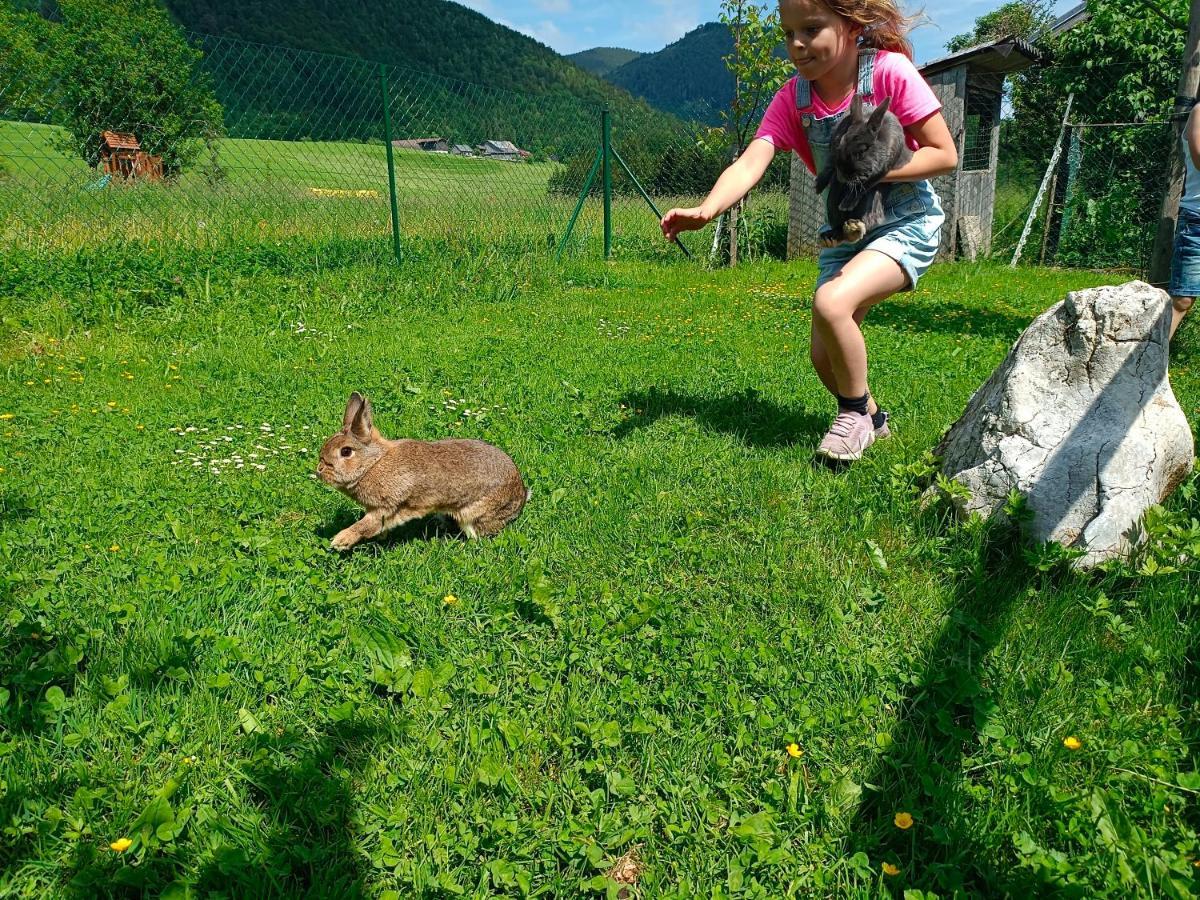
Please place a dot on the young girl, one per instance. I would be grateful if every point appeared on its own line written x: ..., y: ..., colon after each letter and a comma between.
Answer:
x: 840, y: 47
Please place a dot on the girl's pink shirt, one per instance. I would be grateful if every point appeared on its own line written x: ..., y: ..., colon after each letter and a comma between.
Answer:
x: 894, y: 76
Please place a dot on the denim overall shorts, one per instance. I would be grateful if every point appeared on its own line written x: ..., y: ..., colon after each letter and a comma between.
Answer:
x: 911, y: 230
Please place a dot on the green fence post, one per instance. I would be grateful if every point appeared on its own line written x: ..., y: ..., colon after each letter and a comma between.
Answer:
x: 606, y: 151
x: 387, y: 143
x: 587, y: 186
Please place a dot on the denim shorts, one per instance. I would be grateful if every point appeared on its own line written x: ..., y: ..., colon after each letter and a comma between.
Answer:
x: 912, y: 242
x: 1185, y: 261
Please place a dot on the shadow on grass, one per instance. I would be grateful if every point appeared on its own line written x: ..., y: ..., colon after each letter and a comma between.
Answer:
x: 940, y: 317
x: 746, y: 416
x: 940, y: 722
x: 303, y: 847
x: 430, y: 528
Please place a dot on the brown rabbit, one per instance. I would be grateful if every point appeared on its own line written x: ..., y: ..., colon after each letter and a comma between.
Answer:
x: 474, y: 483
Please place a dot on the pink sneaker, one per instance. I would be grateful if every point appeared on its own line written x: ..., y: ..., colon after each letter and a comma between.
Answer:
x: 850, y: 434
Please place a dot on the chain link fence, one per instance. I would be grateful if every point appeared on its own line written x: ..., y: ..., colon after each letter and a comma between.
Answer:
x: 259, y: 143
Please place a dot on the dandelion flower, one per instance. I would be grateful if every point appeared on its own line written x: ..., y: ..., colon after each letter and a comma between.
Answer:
x: 889, y: 869
x: 903, y: 820
x: 114, y: 548
x: 794, y: 751
x: 1072, y: 743
x: 7, y: 415
x: 121, y: 845
x: 449, y: 599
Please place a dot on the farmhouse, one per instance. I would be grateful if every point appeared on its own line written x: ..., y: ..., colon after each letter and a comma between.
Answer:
x: 428, y: 144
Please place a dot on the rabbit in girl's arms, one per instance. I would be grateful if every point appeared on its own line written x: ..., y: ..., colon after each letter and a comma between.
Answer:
x: 474, y: 483
x: 866, y: 145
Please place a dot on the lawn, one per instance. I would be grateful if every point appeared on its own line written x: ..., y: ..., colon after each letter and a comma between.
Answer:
x: 611, y: 685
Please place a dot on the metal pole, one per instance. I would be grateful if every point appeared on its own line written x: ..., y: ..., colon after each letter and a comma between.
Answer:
x: 1159, y: 270
x: 606, y: 151
x: 391, y: 163
x: 1050, y: 169
x: 587, y: 186
x: 637, y: 184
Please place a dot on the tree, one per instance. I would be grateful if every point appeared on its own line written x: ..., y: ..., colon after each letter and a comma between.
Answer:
x: 123, y: 67
x: 1019, y: 18
x: 758, y: 72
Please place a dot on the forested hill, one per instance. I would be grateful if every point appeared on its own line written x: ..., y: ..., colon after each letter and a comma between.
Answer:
x: 688, y: 78
x: 602, y: 60
x: 433, y: 36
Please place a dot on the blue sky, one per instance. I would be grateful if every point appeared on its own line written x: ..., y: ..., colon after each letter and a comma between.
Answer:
x: 571, y: 25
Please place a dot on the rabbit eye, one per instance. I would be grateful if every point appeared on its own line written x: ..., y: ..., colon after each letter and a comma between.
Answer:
x: 346, y: 451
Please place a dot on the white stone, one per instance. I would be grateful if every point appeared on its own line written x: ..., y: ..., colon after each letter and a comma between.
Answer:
x: 1081, y: 419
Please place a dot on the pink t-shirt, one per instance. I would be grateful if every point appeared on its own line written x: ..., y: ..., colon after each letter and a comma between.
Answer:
x: 894, y: 76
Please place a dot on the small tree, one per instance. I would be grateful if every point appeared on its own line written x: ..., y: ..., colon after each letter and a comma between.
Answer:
x: 1020, y: 18
x: 125, y: 67
x: 758, y: 72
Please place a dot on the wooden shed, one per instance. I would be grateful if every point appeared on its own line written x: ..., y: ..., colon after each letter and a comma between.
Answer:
x: 970, y: 84
x: 123, y: 157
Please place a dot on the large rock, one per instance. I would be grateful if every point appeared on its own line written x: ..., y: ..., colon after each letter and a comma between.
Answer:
x: 1080, y: 418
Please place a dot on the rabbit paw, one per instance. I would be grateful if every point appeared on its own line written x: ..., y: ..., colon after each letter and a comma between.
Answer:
x: 854, y: 229
x: 344, y: 539
x: 828, y: 240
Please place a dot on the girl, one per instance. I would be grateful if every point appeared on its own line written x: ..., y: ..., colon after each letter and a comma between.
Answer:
x: 840, y: 47
x: 1185, y: 261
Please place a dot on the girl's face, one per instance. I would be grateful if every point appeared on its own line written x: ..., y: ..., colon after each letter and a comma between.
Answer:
x: 816, y: 37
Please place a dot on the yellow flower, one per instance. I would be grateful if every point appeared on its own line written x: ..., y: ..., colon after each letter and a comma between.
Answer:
x: 903, y: 820
x: 889, y: 869
x: 449, y: 599
x: 1072, y: 743
x: 114, y: 548
x: 7, y: 415
x: 121, y: 845
x: 794, y: 751
x: 112, y: 404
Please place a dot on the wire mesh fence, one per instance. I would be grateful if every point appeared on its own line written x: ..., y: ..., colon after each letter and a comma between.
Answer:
x: 263, y: 143
x: 236, y: 142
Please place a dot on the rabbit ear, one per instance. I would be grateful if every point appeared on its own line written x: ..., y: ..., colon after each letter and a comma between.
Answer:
x: 877, y: 115
x: 363, y: 423
x: 353, y: 405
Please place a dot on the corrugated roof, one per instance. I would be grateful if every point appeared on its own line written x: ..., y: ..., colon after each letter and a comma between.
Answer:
x: 1002, y: 56
x: 119, y: 140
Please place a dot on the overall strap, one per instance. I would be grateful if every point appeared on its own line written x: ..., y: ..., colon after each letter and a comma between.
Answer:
x: 865, y: 85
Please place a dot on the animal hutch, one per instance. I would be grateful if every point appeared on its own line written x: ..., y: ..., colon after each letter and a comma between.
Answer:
x: 121, y: 156
x: 970, y: 85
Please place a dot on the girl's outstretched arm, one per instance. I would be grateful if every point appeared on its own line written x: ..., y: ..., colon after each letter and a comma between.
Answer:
x: 935, y: 154
x: 731, y: 187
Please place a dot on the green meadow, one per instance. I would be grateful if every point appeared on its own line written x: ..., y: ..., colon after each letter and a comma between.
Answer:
x: 698, y: 664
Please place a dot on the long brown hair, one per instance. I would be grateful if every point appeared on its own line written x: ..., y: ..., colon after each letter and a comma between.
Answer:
x: 883, y: 25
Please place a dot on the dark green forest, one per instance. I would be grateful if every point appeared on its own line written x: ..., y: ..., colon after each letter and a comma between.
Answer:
x: 602, y: 60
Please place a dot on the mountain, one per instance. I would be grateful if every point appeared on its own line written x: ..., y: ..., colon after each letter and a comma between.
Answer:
x: 687, y: 78
x: 457, y: 66
x: 602, y: 60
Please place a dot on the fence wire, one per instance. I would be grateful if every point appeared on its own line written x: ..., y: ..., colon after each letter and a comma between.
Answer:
x: 245, y: 143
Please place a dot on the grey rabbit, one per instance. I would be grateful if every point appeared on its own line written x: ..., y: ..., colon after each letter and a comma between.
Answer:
x: 865, y: 146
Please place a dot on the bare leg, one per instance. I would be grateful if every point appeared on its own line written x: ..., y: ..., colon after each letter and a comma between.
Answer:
x: 869, y: 277
x: 1180, y: 306
x: 364, y: 529
x: 822, y: 364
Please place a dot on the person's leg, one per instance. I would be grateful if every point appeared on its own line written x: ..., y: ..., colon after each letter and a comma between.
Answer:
x: 1180, y: 306
x: 839, y: 306
x: 820, y: 357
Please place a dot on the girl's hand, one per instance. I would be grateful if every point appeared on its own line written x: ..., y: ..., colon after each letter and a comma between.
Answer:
x: 677, y: 220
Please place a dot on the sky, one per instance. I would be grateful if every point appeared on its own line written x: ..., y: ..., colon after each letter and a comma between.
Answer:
x: 568, y: 26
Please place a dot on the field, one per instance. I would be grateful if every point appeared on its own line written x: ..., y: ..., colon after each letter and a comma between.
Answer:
x: 698, y: 662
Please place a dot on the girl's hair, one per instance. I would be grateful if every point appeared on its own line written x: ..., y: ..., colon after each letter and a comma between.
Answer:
x: 883, y: 25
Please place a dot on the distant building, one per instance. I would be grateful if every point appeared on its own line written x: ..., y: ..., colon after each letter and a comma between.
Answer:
x: 429, y: 144
x: 123, y: 157
x: 505, y: 150
x: 462, y: 150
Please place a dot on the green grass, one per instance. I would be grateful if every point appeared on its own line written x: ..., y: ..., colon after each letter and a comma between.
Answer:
x: 184, y: 662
